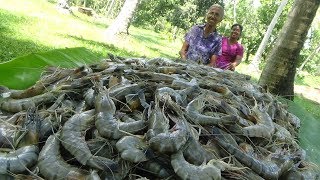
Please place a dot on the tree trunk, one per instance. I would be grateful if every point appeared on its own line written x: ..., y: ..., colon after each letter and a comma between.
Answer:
x: 255, y: 62
x: 84, y: 3
x: 234, y: 11
x: 279, y: 72
x: 123, y: 20
x: 110, y: 7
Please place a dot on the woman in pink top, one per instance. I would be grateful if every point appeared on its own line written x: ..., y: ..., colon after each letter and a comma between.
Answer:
x: 232, y: 50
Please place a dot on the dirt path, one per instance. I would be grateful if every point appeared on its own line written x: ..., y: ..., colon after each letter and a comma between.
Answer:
x: 310, y: 93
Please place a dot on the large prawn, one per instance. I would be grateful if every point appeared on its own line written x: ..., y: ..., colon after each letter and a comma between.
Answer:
x: 157, y: 121
x: 185, y: 170
x: 132, y: 149
x: 52, y: 166
x: 73, y: 139
x: 194, y: 112
x: 264, y: 127
x: 108, y: 126
x: 170, y: 141
x: 17, y: 105
x: 26, y: 142
x: 267, y: 170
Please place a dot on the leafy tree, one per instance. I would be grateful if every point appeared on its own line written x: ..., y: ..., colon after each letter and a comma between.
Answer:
x: 180, y: 13
x: 279, y: 72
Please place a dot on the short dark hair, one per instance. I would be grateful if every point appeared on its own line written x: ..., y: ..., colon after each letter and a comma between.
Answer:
x: 241, y: 28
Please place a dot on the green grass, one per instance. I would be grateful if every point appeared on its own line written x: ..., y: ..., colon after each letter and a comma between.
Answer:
x: 312, y: 81
x: 37, y: 26
x: 310, y: 106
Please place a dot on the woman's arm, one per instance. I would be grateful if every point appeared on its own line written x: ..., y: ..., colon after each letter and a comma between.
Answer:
x: 235, y: 63
x: 213, y: 60
x: 184, y: 50
x: 238, y: 59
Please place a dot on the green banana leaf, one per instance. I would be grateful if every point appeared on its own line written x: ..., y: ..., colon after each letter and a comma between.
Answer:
x: 23, y: 72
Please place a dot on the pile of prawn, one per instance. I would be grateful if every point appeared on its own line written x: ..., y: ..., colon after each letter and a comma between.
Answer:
x: 138, y: 118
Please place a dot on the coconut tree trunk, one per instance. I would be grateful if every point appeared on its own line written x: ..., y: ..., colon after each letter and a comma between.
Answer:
x: 255, y: 62
x: 234, y: 11
x: 279, y: 72
x: 123, y: 20
x: 110, y: 6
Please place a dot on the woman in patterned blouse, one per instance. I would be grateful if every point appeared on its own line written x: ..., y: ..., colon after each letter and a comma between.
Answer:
x: 203, y: 43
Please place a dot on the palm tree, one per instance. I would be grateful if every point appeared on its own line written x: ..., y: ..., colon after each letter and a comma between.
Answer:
x: 255, y: 62
x: 279, y: 72
x: 123, y: 20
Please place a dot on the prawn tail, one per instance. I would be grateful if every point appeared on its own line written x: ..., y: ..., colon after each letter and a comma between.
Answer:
x: 103, y: 163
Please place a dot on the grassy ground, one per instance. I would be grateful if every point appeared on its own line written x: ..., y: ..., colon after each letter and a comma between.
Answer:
x: 28, y: 26
x: 36, y: 25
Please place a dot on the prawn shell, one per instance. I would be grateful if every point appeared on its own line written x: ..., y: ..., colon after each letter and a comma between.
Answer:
x: 17, y: 161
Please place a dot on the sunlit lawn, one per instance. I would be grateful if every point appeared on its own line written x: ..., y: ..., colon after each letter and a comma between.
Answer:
x: 36, y: 25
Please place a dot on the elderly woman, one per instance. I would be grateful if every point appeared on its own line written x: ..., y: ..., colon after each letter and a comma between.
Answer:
x: 203, y: 43
x: 232, y: 50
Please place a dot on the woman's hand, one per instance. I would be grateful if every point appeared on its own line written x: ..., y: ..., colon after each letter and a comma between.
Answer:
x: 184, y: 50
x: 213, y: 60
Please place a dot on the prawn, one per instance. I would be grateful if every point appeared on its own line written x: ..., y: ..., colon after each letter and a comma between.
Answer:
x: 18, y: 160
x: 267, y: 170
x: 264, y: 127
x: 7, y: 133
x: 157, y: 169
x: 17, y: 105
x: 106, y: 123
x: 195, y: 153
x: 155, y: 77
x: 120, y: 91
x: 181, y: 83
x: 52, y: 166
x: 132, y: 149
x: 157, y: 121
x: 196, y: 106
x: 163, y: 92
x: 186, y: 170
x: 73, y: 140
x: 170, y: 141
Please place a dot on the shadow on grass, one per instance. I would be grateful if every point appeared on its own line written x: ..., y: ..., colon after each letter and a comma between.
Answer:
x: 144, y: 38
x: 12, y: 47
x: 163, y: 54
x: 81, y: 18
x: 109, y: 48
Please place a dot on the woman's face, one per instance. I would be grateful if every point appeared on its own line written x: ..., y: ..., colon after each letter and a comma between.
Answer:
x: 214, y: 16
x: 235, y: 32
